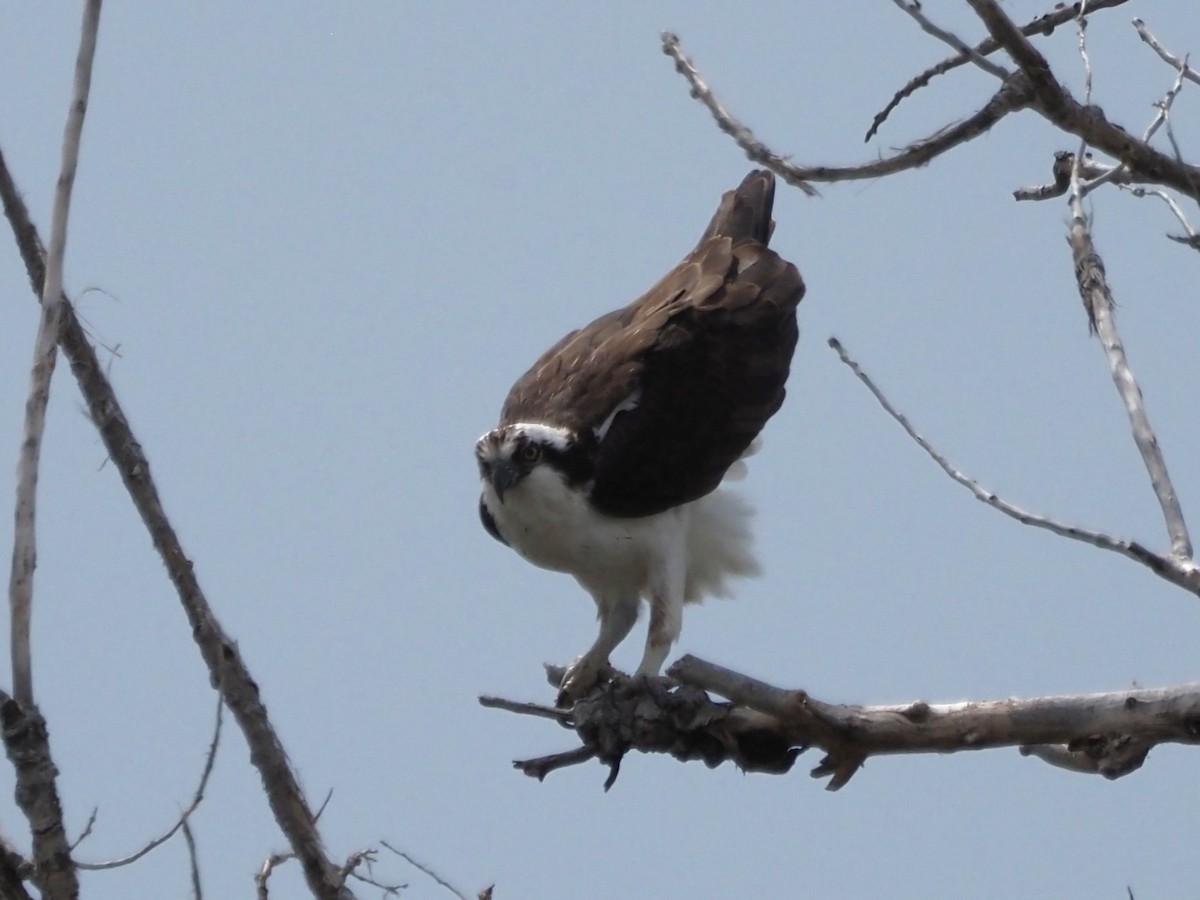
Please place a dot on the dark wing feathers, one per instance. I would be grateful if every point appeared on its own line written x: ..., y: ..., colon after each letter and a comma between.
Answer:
x: 709, y: 348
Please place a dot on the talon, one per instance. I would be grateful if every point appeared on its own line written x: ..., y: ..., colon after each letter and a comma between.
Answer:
x: 581, y: 677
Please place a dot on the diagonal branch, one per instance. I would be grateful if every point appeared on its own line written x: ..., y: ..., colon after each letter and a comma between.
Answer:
x: 1043, y: 25
x: 965, y: 50
x: 1013, y: 95
x: 1054, y: 102
x: 1098, y: 301
x: 227, y: 670
x: 1164, y: 54
x: 1179, y: 572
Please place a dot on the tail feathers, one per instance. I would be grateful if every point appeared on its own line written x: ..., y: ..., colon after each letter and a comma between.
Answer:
x: 745, y: 212
x: 719, y: 545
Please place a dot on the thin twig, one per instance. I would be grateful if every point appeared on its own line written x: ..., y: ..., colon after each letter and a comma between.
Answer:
x: 1013, y: 95
x: 193, y: 863
x: 1041, y: 25
x: 526, y: 709
x: 1164, y: 54
x: 209, y: 760
x: 87, y: 828
x: 428, y: 871
x: 263, y: 875
x: 955, y: 42
x: 1175, y: 571
x: 1192, y: 239
x: 754, y: 148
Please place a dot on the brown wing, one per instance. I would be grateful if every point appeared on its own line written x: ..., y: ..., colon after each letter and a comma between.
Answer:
x: 707, y: 351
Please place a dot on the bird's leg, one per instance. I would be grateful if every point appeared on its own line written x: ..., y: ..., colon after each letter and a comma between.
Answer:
x: 666, y: 621
x: 616, y: 615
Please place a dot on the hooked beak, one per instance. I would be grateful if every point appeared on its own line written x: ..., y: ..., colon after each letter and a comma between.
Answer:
x: 503, y: 475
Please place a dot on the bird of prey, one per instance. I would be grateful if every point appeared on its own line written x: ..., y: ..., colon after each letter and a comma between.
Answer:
x: 608, y: 460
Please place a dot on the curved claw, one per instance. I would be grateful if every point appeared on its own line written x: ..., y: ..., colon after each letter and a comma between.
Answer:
x: 580, y: 678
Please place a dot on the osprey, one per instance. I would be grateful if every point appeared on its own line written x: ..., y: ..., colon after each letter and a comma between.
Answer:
x: 610, y: 452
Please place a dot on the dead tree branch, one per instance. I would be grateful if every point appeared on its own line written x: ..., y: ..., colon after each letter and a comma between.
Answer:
x: 764, y: 728
x: 27, y: 744
x: 24, y: 559
x: 181, y: 823
x: 1087, y: 122
x: 228, y: 671
x: 1178, y: 571
x: 1013, y: 95
x: 1043, y: 25
x: 1098, y: 301
x: 1163, y: 53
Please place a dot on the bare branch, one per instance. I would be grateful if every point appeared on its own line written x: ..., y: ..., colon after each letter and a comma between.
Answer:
x: 209, y: 760
x: 27, y: 745
x: 1012, y: 96
x: 228, y: 671
x: 428, y: 871
x: 1107, y: 733
x: 526, y: 709
x: 1178, y: 572
x: 1060, y: 172
x: 193, y: 863
x: 1164, y: 54
x: 24, y: 559
x: 1043, y: 25
x: 1087, y: 122
x: 755, y: 149
x: 1192, y: 239
x: 1097, y: 300
x: 948, y: 37
x: 1089, y: 723
x: 264, y: 873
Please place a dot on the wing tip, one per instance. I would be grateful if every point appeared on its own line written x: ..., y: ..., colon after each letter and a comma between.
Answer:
x: 745, y: 211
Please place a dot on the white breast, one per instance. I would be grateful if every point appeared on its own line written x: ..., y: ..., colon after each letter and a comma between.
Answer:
x: 554, y: 527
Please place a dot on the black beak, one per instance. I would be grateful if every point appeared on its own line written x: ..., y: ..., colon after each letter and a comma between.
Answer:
x: 503, y: 475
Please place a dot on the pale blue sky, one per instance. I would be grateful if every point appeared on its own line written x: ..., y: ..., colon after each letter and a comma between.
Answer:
x: 325, y: 238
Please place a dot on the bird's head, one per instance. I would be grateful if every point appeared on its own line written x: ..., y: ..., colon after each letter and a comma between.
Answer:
x: 509, y: 454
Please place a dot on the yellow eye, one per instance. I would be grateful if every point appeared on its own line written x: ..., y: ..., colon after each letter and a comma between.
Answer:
x: 531, y: 453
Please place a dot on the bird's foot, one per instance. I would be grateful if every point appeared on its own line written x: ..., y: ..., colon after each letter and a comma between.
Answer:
x: 581, y: 676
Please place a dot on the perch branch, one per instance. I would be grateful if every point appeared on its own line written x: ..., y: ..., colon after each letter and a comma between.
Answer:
x: 1013, y: 95
x: 227, y: 669
x: 1108, y: 733
x: 1175, y: 571
x: 1043, y: 25
x: 1087, y: 122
